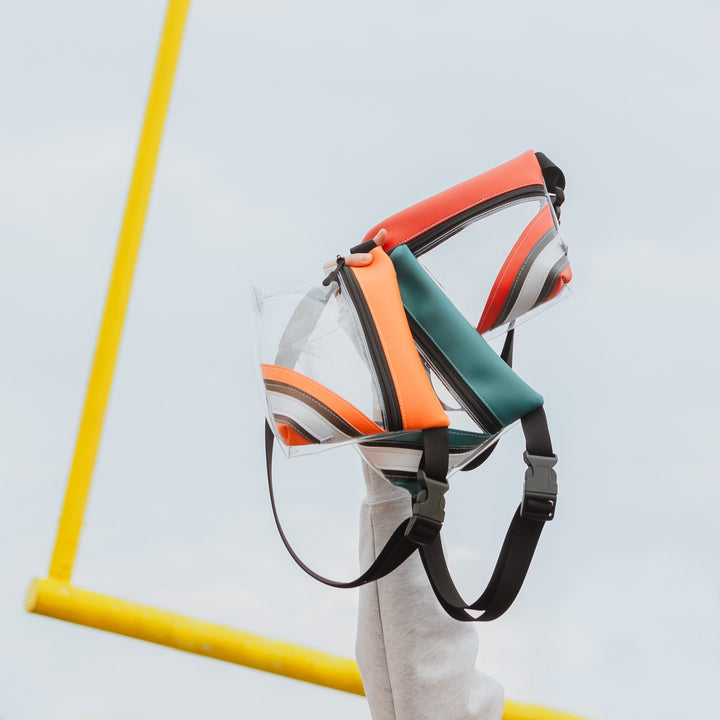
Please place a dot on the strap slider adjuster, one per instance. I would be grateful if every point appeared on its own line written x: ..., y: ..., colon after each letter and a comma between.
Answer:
x: 540, y: 488
x: 428, y: 510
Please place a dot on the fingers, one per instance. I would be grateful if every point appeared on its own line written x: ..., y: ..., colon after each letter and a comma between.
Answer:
x: 361, y: 259
x: 358, y: 259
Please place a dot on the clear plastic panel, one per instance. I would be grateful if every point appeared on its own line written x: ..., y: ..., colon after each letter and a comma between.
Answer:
x: 310, y: 330
x: 466, y: 265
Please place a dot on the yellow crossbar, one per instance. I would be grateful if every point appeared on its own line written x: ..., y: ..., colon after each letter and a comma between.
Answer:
x: 61, y: 600
x: 55, y: 596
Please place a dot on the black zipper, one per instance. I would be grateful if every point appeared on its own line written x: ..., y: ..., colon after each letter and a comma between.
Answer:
x: 391, y: 406
x: 439, y: 233
x: 454, y: 382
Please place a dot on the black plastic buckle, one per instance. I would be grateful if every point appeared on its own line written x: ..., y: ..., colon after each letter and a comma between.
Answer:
x: 540, y: 489
x: 428, y: 510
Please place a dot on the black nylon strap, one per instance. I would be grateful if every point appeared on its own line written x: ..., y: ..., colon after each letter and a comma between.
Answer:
x: 554, y: 180
x: 507, y: 355
x: 363, y: 247
x: 537, y: 435
x: 505, y: 583
x: 397, y: 549
x: 515, y: 555
x: 434, y: 461
x: 507, y: 349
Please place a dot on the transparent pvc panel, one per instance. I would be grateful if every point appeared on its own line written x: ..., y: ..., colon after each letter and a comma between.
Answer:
x: 310, y: 330
x: 476, y: 256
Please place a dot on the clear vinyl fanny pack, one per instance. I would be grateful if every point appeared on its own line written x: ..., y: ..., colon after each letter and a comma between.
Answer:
x: 380, y: 356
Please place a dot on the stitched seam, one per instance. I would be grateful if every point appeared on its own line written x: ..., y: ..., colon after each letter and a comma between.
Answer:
x: 522, y: 274
x: 341, y: 399
x: 397, y: 451
x: 394, y: 374
x: 457, y: 370
x: 319, y: 405
x: 296, y: 426
x: 388, y: 358
x: 551, y: 280
x: 512, y: 255
x: 386, y: 354
x: 467, y: 207
x: 469, y: 433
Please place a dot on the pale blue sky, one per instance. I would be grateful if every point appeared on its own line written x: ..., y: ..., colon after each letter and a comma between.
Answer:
x: 293, y: 128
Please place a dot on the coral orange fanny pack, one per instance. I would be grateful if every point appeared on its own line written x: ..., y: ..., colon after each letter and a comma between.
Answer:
x: 420, y: 393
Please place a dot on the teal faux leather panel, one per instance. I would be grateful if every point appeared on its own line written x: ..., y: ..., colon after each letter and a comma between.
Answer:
x: 506, y: 396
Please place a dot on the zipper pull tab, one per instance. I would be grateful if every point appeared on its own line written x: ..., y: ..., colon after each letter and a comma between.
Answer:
x: 332, y: 277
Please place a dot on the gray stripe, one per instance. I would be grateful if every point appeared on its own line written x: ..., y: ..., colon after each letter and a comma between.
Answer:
x: 301, y: 325
x: 312, y: 402
x: 299, y: 429
x: 551, y: 279
x: 517, y: 285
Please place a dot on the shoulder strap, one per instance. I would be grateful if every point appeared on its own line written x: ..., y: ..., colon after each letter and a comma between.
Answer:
x: 554, y: 180
x: 422, y: 527
x: 537, y: 508
x: 427, y: 222
x: 421, y: 531
x: 535, y: 271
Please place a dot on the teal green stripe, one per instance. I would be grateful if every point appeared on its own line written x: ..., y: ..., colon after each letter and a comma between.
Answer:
x: 458, y: 440
x: 506, y: 396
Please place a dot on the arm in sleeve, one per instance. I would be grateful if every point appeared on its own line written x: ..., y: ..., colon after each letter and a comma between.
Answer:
x: 416, y: 662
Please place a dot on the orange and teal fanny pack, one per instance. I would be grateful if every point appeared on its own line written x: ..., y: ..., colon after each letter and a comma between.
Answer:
x: 381, y: 358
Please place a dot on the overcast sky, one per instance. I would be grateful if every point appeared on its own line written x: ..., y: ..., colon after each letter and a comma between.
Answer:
x: 293, y: 128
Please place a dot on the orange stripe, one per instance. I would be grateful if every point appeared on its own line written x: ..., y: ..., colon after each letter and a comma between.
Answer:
x: 563, y: 279
x: 342, y: 407
x: 419, y: 405
x: 289, y: 436
x: 538, y: 226
x: 415, y: 220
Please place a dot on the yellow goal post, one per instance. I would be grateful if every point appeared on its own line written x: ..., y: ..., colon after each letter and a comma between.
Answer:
x: 55, y: 596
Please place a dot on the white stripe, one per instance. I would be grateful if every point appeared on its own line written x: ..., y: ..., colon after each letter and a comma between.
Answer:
x: 304, y: 416
x: 535, y: 278
x: 405, y: 459
x: 389, y: 458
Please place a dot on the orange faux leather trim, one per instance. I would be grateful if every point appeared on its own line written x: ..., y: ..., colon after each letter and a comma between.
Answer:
x: 419, y: 405
x: 563, y: 279
x: 538, y: 226
x: 337, y: 404
x: 415, y: 220
x: 289, y: 436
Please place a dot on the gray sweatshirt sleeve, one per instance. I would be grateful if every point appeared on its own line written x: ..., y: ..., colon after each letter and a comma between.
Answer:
x: 416, y: 662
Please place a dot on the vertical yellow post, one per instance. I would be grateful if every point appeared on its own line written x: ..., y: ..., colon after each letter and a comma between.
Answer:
x: 101, y: 375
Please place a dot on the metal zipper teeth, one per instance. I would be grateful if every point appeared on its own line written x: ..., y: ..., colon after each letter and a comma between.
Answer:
x: 452, y: 380
x: 391, y: 405
x: 439, y: 233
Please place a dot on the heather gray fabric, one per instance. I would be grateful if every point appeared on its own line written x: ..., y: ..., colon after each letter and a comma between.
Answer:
x: 416, y: 662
